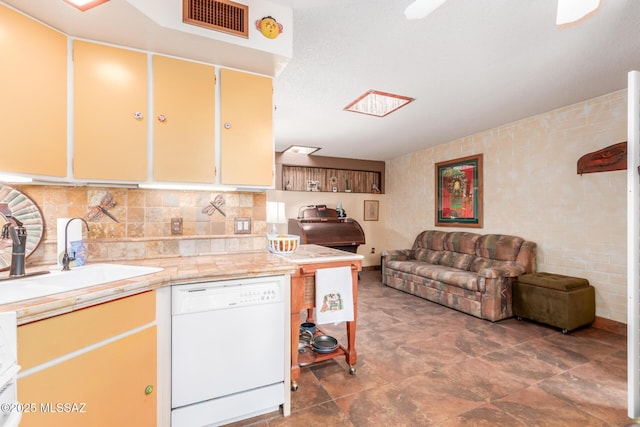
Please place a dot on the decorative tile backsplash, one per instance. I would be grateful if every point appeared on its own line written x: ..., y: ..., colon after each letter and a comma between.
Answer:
x: 143, y: 227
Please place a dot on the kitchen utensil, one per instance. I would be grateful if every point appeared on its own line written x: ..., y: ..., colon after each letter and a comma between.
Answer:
x: 308, y: 326
x: 305, y: 340
x: 324, y: 344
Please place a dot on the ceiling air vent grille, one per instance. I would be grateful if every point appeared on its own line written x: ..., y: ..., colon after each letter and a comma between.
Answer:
x: 220, y: 15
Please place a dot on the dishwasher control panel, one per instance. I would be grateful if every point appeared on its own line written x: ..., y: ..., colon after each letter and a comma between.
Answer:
x: 206, y: 296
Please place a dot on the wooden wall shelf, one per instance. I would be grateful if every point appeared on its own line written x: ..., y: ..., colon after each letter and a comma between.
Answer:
x: 297, y: 178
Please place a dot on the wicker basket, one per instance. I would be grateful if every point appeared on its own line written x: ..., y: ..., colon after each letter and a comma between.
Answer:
x: 282, y: 243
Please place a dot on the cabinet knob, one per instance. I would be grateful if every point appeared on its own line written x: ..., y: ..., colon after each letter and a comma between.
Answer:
x: 148, y: 389
x: 138, y: 115
x: 162, y: 118
x: 227, y: 125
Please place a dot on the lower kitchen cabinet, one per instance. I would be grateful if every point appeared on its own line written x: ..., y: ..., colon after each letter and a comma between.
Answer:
x: 93, y: 367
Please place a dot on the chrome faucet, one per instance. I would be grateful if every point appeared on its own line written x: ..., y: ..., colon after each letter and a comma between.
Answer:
x: 15, y: 230
x: 66, y: 259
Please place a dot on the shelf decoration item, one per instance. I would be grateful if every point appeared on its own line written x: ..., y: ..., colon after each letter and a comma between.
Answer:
x: 459, y: 192
x: 334, y: 184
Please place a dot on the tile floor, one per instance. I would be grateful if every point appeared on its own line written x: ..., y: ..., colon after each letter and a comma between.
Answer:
x: 421, y: 364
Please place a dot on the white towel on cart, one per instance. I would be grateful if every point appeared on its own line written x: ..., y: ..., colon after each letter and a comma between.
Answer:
x: 334, y: 295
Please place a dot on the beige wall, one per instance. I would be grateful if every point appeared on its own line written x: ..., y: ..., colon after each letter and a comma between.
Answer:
x: 531, y: 189
x: 352, y: 203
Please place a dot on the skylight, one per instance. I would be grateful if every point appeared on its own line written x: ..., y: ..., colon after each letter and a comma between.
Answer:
x: 84, y: 5
x: 376, y: 103
x: 301, y: 149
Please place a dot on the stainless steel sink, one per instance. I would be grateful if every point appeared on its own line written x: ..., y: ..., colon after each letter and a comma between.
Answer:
x: 62, y: 281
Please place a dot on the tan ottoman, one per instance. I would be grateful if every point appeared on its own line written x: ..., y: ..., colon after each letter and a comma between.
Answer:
x: 562, y: 301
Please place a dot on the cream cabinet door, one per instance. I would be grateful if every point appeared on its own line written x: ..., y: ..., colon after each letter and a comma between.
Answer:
x: 33, y: 104
x: 112, y: 385
x: 110, y: 113
x: 246, y: 142
x: 184, y: 121
x: 96, y: 366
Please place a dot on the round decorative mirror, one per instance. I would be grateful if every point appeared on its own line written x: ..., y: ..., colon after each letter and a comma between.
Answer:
x: 21, y: 207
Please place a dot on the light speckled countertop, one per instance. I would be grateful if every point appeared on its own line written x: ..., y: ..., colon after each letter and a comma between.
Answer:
x: 176, y: 270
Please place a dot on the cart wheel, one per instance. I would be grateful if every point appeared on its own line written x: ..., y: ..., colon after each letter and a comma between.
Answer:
x: 352, y: 370
x: 565, y: 331
x: 518, y: 317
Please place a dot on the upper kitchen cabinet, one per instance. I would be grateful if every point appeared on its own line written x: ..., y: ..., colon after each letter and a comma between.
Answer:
x: 33, y: 108
x: 184, y: 121
x: 110, y: 113
x: 246, y: 140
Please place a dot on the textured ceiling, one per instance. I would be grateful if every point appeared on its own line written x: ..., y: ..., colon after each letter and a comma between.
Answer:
x: 471, y: 65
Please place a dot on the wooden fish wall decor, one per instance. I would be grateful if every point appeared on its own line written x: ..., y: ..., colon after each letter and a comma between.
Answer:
x: 612, y: 158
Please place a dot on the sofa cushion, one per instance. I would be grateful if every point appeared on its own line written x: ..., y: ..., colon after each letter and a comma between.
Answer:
x: 463, y: 279
x: 480, y: 263
x: 430, y: 239
x: 449, y: 275
x: 428, y: 255
x: 463, y: 242
x: 492, y: 268
x: 456, y: 260
x: 499, y: 247
x: 410, y: 266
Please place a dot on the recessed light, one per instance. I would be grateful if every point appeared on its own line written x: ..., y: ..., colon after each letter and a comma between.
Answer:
x: 84, y: 5
x: 379, y: 104
x: 301, y: 149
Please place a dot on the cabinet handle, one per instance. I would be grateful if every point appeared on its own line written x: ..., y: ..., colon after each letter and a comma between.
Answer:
x: 227, y: 125
x: 162, y: 118
x: 138, y: 115
x: 148, y: 389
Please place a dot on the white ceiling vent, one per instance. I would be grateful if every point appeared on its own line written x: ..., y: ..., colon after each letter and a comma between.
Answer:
x: 220, y: 15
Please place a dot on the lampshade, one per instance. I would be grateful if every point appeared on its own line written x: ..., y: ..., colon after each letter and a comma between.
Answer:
x: 276, y: 213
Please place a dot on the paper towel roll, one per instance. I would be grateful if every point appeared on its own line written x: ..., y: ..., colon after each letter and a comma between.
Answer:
x: 74, y: 233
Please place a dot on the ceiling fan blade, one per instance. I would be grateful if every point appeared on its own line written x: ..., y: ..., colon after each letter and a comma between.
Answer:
x: 570, y: 11
x: 421, y: 8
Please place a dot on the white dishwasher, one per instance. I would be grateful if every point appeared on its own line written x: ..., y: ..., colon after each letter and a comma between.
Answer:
x: 227, y: 350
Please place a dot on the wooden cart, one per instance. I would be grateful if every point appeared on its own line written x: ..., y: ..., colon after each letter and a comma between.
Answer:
x: 303, y: 297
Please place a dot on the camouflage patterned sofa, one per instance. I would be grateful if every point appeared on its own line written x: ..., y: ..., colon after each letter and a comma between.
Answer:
x: 466, y: 271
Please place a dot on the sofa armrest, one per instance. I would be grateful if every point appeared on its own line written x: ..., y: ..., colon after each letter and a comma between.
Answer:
x: 496, y: 295
x: 394, y: 255
x: 502, y: 271
x: 398, y: 254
